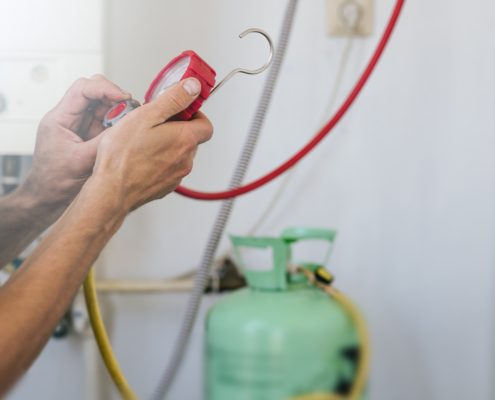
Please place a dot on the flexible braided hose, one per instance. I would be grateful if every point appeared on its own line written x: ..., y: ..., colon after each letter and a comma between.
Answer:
x: 203, y: 272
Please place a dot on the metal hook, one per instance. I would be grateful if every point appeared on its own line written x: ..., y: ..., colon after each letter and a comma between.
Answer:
x: 246, y: 71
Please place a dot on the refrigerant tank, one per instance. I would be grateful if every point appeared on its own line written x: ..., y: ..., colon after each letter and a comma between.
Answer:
x: 279, y: 338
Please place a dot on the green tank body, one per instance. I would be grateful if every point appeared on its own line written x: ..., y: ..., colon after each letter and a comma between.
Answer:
x: 279, y: 338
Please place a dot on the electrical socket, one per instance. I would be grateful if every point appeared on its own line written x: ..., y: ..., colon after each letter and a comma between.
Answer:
x: 336, y: 23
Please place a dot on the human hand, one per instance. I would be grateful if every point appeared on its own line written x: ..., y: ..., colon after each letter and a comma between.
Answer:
x: 67, y: 142
x: 145, y: 155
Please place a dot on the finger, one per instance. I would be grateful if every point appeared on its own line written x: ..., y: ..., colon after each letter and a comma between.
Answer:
x: 86, y: 123
x: 201, y: 127
x: 95, y: 129
x: 198, y: 115
x: 176, y: 99
x: 176, y: 118
x: 193, y: 152
x: 92, y: 122
x: 87, y: 150
x: 98, y: 77
x: 101, y: 111
x: 84, y: 92
x: 110, y: 103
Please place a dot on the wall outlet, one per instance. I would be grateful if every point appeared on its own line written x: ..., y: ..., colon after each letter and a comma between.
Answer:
x: 336, y: 20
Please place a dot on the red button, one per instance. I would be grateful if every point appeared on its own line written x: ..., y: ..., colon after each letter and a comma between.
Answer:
x: 116, y: 110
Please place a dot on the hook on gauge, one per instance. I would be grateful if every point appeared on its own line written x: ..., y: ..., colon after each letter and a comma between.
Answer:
x: 187, y: 65
x: 246, y: 71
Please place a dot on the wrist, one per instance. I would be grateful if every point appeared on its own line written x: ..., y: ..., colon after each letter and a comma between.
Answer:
x: 100, y: 204
x: 40, y: 212
x: 40, y: 197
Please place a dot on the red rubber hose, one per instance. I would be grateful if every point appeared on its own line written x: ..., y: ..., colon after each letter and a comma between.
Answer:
x: 317, y: 139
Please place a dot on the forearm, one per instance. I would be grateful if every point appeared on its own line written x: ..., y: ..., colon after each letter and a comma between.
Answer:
x: 22, y: 219
x: 34, y: 299
x: 138, y: 160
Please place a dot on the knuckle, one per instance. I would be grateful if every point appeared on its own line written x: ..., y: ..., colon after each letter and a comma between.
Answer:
x: 209, y: 130
x: 190, y: 143
x: 138, y: 113
x: 136, y: 119
x: 105, y: 142
x: 176, y: 102
x: 79, y: 82
x: 187, y: 169
x: 173, y: 185
x: 46, y: 122
x: 187, y: 143
x: 98, y: 77
x: 177, y: 183
x: 133, y: 117
x: 104, y: 84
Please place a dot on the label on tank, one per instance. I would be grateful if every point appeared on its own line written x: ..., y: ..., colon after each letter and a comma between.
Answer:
x: 246, y: 375
x: 254, y: 370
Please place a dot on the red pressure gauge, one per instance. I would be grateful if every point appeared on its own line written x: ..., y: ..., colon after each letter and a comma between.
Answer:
x: 187, y: 65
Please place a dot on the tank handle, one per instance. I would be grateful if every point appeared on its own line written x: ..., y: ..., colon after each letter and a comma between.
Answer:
x: 274, y: 279
x: 295, y: 234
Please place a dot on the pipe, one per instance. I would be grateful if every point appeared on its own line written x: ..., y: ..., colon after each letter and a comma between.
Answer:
x: 148, y: 286
x: 231, y: 193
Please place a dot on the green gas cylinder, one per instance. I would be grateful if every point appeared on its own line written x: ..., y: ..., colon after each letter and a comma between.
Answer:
x: 279, y: 338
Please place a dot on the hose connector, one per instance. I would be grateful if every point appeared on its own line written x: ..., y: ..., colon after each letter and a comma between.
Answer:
x: 323, y: 276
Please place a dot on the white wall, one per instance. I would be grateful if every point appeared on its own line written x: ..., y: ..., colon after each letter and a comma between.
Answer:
x: 407, y: 179
x: 44, y: 46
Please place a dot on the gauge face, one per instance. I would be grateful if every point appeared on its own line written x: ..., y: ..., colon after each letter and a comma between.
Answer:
x: 186, y: 65
x: 172, y: 75
x: 118, y: 111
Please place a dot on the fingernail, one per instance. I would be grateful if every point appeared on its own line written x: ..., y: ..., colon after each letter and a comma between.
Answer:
x: 125, y: 92
x: 192, y: 86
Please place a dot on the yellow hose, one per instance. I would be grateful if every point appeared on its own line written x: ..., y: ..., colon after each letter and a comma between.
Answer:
x: 127, y: 393
x: 102, y: 338
x: 358, y: 387
x: 364, y: 340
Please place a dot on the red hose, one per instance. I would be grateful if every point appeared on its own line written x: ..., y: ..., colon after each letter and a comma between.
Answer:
x: 317, y: 139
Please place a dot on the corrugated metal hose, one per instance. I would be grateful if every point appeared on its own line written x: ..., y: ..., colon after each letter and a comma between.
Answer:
x: 203, y: 272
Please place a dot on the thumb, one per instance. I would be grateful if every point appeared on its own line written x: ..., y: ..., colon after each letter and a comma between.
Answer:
x: 87, y: 151
x: 176, y: 99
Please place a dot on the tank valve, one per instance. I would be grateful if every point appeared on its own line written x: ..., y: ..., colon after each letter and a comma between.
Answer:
x: 323, y: 276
